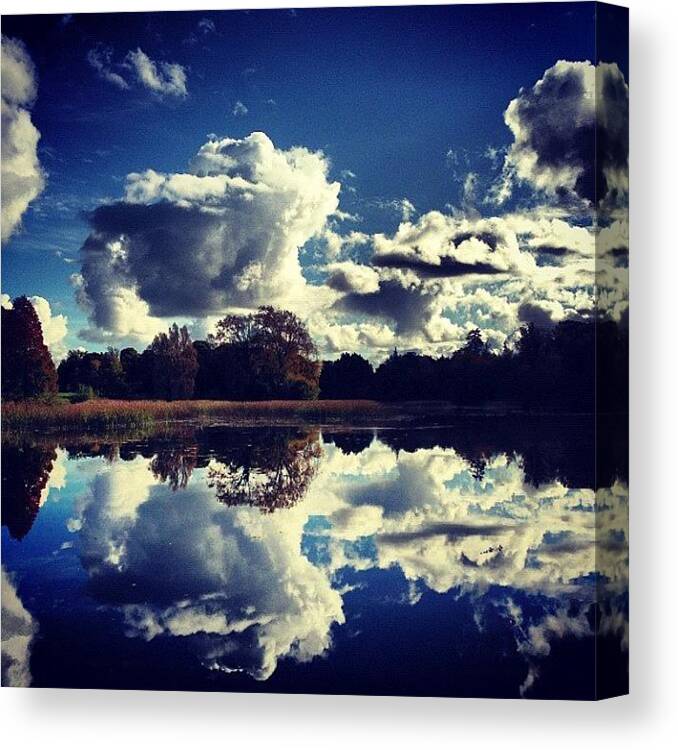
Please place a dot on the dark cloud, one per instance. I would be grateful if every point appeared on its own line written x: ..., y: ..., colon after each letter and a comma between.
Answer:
x: 571, y: 132
x: 409, y: 306
x: 539, y: 313
x: 170, y: 280
x: 452, y: 531
x: 447, y: 267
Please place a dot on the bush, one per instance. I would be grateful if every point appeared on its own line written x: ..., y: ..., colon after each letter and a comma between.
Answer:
x: 85, y: 393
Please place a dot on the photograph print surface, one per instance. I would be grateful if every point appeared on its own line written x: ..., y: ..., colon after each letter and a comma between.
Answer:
x: 315, y: 351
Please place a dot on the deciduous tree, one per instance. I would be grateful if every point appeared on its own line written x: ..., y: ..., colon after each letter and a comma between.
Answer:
x: 27, y: 366
x: 175, y: 364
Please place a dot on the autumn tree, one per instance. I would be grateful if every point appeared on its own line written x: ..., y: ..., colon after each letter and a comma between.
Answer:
x: 174, y: 364
x: 27, y: 366
x: 275, y: 351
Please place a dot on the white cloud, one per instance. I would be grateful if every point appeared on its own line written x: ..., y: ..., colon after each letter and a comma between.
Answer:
x: 441, y: 275
x: 541, y: 312
x: 333, y: 337
x: 447, y: 528
x: 54, y: 328
x: 23, y: 178
x: 427, y: 274
x: 347, y: 276
x: 162, y: 78
x: 206, y: 25
x: 225, y: 234
x: 402, y: 206
x: 614, y: 238
x: 470, y: 190
x: 438, y: 244
x: 239, y: 109
x: 100, y: 59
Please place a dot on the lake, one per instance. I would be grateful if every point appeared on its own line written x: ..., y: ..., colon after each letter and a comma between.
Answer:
x: 458, y: 560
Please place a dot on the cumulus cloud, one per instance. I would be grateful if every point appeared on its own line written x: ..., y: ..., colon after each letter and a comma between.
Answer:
x: 442, y: 245
x: 334, y: 337
x: 444, y: 274
x: 162, y: 78
x: 550, y: 238
x: 446, y: 527
x: 18, y: 630
x: 226, y: 233
x: 570, y: 133
x: 347, y: 276
x: 23, y: 178
x: 543, y: 313
x: 54, y: 327
x: 420, y: 280
x: 613, y: 240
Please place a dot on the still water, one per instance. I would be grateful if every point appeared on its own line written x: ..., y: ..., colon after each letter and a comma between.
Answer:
x: 458, y: 561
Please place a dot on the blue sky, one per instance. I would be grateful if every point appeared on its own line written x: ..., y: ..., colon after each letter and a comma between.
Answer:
x: 403, y: 103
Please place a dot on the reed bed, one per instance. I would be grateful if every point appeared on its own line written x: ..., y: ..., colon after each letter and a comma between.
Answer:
x: 109, y: 415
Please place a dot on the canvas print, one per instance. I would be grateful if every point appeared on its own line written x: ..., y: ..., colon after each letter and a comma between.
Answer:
x: 315, y: 351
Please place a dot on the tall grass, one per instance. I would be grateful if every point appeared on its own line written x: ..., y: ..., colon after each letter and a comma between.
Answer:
x: 108, y: 415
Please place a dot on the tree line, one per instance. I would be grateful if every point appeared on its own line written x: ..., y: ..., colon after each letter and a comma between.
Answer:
x: 573, y: 366
x: 269, y: 354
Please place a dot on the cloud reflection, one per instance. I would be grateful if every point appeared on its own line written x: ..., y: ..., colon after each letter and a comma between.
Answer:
x: 239, y: 584
x: 18, y: 630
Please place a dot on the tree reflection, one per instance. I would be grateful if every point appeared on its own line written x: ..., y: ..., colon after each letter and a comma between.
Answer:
x: 575, y: 449
x: 25, y: 472
x: 175, y: 465
x: 270, y: 471
x: 350, y: 442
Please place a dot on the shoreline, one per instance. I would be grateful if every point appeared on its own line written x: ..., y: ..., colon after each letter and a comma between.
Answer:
x: 107, y: 416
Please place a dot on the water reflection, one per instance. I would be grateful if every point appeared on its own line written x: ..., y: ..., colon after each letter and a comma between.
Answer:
x: 268, y: 471
x: 18, y: 630
x: 25, y: 472
x: 253, y: 553
x: 175, y: 464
